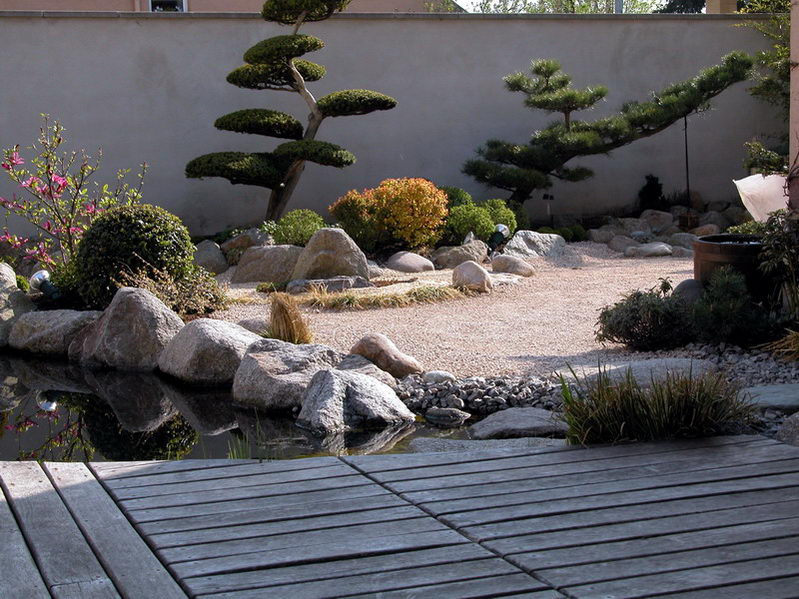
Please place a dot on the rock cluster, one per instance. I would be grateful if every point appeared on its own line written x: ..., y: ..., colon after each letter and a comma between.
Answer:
x: 529, y: 244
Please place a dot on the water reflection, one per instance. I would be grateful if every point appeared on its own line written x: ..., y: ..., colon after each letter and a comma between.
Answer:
x: 57, y: 411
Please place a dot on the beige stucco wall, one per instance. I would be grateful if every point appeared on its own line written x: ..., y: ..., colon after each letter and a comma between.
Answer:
x: 148, y: 88
x: 200, y: 5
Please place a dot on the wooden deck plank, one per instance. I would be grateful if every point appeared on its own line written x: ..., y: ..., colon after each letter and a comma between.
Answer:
x: 383, y: 582
x: 493, y: 586
x: 62, y: 554
x: 107, y: 530
x: 114, y: 470
x: 316, y: 553
x: 20, y: 576
x: 655, y: 546
x: 578, y: 536
x: 697, y: 578
x: 648, y: 476
x: 317, y: 509
x: 328, y: 536
x: 741, y: 484
x: 775, y: 588
x: 260, y: 579
x: 684, y: 560
x: 263, y: 502
x: 224, y: 533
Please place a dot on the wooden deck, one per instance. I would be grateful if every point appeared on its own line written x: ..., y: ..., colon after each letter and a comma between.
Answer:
x: 711, y: 519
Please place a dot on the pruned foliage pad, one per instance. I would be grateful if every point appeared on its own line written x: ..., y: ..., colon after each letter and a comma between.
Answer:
x: 289, y: 12
x: 239, y: 168
x: 272, y: 123
x: 282, y: 47
x: 353, y: 102
x: 320, y: 152
x: 611, y: 410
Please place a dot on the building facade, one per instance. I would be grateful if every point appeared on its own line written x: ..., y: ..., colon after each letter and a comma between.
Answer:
x: 361, y: 6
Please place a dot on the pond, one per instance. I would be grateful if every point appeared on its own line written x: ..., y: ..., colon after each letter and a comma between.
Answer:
x: 57, y: 411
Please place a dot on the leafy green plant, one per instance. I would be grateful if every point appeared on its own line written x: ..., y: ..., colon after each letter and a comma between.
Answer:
x: 500, y: 213
x: 579, y: 233
x: 270, y: 287
x: 750, y: 227
x: 275, y: 64
x: 780, y: 256
x: 22, y: 283
x: 130, y: 239
x: 650, y: 196
x: 522, y: 169
x: 566, y: 233
x: 468, y: 218
x: 609, y: 410
x: 297, y: 227
x: 647, y: 320
x: 456, y: 196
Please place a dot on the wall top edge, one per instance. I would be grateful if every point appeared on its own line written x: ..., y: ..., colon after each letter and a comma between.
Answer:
x: 377, y: 16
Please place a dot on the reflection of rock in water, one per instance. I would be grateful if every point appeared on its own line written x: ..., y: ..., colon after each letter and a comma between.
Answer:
x: 138, y: 400
x: 170, y: 441
x: 12, y: 393
x: 364, y: 442
x: 49, y: 375
x: 209, y: 412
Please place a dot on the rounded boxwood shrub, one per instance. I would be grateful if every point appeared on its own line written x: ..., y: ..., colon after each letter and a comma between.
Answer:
x: 130, y: 239
x: 501, y: 214
x: 356, y: 213
x: 566, y: 233
x: 579, y: 233
x: 297, y: 227
x: 288, y: 12
x: 456, y: 196
x: 468, y: 218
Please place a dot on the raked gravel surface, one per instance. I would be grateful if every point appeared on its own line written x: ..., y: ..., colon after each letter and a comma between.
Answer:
x: 537, y: 326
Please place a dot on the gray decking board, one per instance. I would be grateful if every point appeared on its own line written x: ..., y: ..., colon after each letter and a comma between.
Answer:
x: 776, y: 588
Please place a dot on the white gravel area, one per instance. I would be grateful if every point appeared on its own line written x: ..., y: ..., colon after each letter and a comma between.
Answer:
x: 542, y: 324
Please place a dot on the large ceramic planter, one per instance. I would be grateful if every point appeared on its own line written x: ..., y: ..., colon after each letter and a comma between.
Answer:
x: 742, y: 252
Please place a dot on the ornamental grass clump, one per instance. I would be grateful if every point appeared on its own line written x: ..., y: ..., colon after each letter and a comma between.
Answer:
x: 610, y: 410
x: 286, y: 321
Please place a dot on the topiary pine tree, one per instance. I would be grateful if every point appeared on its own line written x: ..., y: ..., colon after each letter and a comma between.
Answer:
x: 522, y: 169
x: 275, y: 64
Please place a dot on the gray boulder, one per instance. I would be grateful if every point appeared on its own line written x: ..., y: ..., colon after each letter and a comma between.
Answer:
x: 254, y: 325
x: 657, y: 220
x: 13, y: 302
x: 381, y: 351
x: 605, y: 233
x: 690, y: 290
x: 472, y: 277
x: 333, y: 285
x: 784, y: 397
x: 714, y: 218
x: 446, y: 417
x: 679, y: 252
x: 621, y: 242
x: 438, y: 376
x: 234, y: 248
x: 359, y: 364
x: 130, y: 335
x: 330, y: 253
x: 512, y: 265
x: 519, y: 422
x: 529, y: 244
x: 708, y: 229
x: 452, y: 256
x: 649, y: 250
x: 684, y: 240
x: 273, y: 374
x: 634, y: 224
x: 337, y: 401
x: 409, y: 262
x: 267, y: 264
x: 789, y: 431
x: 50, y: 332
x: 206, y: 352
x: 644, y: 371
x: 209, y: 255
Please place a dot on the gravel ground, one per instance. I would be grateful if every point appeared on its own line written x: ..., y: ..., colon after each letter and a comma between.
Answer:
x: 532, y: 328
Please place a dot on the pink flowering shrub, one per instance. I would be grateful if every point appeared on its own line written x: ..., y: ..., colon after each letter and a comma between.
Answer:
x: 58, y: 196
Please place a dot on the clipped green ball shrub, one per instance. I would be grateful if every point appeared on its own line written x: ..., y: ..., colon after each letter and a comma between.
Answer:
x: 566, y: 233
x: 130, y: 239
x: 456, y: 196
x: 548, y: 231
x: 297, y: 227
x: 468, y: 218
x: 579, y: 233
x: 501, y: 214
x: 288, y: 12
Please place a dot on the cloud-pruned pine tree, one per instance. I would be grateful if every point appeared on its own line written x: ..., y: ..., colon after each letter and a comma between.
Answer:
x: 522, y: 169
x: 275, y: 64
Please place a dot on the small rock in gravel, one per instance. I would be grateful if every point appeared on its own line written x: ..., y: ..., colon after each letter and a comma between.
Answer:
x: 438, y: 376
x: 446, y: 417
x: 519, y: 422
x: 789, y: 431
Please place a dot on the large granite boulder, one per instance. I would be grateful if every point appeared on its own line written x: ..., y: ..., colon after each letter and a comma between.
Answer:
x: 234, y: 248
x: 519, y: 422
x: 631, y: 225
x: 267, y: 264
x: 529, y: 244
x: 273, y: 374
x: 330, y: 253
x: 684, y: 240
x: 712, y: 217
x: 605, y: 233
x: 130, y: 335
x: 512, y: 265
x: 708, y: 229
x: 657, y: 220
x: 655, y: 249
x: 209, y: 255
x: 359, y: 364
x: 446, y: 417
x: 643, y: 371
x: 206, y: 352
x: 380, y: 350
x: 452, y: 256
x: 789, y: 431
x: 621, y: 242
x: 689, y: 290
x: 472, y: 277
x: 783, y: 397
x: 49, y: 333
x: 409, y: 262
x: 340, y: 401
x: 13, y: 302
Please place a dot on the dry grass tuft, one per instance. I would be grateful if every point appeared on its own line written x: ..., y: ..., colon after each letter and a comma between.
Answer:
x: 347, y: 300
x: 287, y: 322
x: 787, y: 347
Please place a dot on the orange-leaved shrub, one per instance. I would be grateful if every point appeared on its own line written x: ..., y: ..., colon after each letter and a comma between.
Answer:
x: 407, y: 212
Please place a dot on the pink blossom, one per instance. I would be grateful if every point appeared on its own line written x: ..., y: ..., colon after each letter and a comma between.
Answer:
x: 13, y: 161
x: 32, y: 181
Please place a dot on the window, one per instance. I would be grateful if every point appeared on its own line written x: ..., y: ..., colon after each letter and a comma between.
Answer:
x: 168, y: 5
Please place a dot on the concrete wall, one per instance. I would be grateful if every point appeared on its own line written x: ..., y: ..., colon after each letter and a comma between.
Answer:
x: 149, y: 87
x: 367, y: 6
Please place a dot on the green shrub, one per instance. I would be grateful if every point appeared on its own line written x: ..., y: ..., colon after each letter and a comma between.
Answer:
x: 579, y: 233
x: 548, y: 231
x: 195, y: 293
x: 357, y: 213
x: 750, y: 227
x: 780, y: 257
x: 566, y: 233
x: 608, y: 410
x: 353, y: 102
x: 468, y: 218
x: 456, y: 196
x: 130, y: 239
x: 22, y: 283
x: 647, y: 320
x: 500, y: 213
x: 297, y: 227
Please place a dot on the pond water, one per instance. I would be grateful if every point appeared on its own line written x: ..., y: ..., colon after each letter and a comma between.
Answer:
x: 59, y: 412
